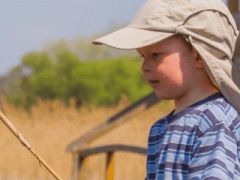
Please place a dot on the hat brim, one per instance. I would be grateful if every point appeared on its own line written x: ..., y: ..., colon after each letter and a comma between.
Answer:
x: 221, y: 71
x: 132, y: 38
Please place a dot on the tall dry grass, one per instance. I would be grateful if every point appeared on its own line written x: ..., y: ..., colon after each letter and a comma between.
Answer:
x: 51, y: 126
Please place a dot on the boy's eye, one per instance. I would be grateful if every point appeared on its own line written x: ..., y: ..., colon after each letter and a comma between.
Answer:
x: 155, y: 55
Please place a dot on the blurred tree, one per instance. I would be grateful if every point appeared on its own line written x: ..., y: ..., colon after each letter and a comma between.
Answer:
x: 66, y: 62
x: 13, y: 85
x: 105, y: 82
x: 37, y: 61
x: 102, y: 82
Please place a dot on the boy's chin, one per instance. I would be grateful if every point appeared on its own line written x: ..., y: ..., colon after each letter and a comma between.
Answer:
x: 165, y: 96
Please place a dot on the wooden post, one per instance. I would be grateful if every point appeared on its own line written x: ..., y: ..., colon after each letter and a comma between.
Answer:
x: 236, y: 17
x: 110, y: 166
x: 233, y: 5
x: 76, y: 166
x: 83, y: 164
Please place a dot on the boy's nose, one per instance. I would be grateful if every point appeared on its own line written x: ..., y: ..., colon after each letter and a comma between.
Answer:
x: 146, y: 66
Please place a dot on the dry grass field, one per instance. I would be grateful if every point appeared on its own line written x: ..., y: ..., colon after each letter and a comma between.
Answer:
x: 51, y: 126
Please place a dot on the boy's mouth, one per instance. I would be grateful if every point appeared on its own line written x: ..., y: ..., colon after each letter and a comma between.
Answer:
x: 154, y: 81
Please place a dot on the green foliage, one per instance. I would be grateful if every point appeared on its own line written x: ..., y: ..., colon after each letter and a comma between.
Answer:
x: 105, y: 82
x: 101, y: 82
x: 14, y: 98
x: 37, y: 62
x: 13, y: 87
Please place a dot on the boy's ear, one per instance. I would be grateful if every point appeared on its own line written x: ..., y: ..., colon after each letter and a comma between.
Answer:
x: 198, y: 59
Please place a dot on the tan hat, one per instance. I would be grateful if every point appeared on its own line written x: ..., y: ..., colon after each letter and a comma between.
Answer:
x: 209, y: 26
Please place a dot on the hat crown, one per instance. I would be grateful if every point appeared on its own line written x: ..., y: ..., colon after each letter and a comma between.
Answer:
x: 175, y: 12
x: 159, y: 15
x: 206, y: 20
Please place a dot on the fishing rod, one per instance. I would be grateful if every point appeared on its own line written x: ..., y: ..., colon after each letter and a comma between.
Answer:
x: 27, y: 145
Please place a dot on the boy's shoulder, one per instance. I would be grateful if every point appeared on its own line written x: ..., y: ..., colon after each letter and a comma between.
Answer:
x: 216, y: 113
x: 205, y: 114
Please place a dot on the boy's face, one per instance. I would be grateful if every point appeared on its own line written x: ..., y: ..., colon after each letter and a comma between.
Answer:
x: 169, y: 67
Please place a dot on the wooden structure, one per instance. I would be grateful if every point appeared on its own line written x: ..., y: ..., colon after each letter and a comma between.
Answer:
x: 233, y: 5
x: 237, y: 48
x: 113, y: 122
x: 77, y: 147
x: 80, y: 159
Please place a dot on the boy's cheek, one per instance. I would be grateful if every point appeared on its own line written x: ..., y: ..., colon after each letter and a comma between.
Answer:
x: 168, y: 72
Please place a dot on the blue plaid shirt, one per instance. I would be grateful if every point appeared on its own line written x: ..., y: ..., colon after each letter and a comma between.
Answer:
x: 202, y: 142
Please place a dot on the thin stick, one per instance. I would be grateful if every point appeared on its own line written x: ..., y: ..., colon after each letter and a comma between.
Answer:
x: 26, y: 144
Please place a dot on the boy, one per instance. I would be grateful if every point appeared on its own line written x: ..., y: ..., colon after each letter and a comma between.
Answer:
x: 187, y: 47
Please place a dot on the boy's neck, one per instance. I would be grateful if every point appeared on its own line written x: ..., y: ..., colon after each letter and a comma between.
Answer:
x: 185, y: 101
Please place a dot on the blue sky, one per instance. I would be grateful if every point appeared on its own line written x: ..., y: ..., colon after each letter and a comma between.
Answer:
x: 27, y: 25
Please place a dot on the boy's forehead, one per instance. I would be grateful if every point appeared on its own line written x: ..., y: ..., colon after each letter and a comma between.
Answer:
x: 150, y: 48
x: 164, y: 44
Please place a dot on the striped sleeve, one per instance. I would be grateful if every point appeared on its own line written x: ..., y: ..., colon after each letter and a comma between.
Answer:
x: 214, y: 155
